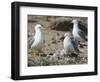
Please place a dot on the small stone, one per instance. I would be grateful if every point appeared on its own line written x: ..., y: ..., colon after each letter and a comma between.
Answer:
x: 53, y: 38
x: 58, y: 34
x: 58, y: 41
x: 81, y: 46
x: 54, y: 41
x: 51, y: 54
x: 73, y: 55
x: 42, y: 54
x: 62, y: 38
x: 48, y: 44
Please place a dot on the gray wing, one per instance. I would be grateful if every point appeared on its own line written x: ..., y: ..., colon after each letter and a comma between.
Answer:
x: 30, y: 41
x: 82, y: 34
x: 75, y: 46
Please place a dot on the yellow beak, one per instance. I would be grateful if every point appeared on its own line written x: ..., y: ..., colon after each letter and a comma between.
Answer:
x: 43, y: 28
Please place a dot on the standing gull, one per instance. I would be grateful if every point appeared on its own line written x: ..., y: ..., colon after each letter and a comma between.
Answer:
x: 70, y: 45
x: 38, y: 39
x: 77, y: 32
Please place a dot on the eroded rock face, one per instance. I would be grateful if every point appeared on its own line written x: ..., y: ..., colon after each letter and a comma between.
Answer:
x: 61, y: 25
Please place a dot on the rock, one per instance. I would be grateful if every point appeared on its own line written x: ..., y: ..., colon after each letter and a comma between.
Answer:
x: 53, y: 38
x: 61, y: 25
x: 73, y: 55
x: 58, y: 41
x: 81, y: 46
x: 42, y: 54
x: 58, y: 34
x: 48, y: 44
x: 54, y: 42
x: 50, y: 53
x: 61, y: 38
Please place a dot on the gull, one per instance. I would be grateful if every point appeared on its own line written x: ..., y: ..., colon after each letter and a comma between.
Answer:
x: 69, y: 43
x: 38, y: 39
x: 77, y: 32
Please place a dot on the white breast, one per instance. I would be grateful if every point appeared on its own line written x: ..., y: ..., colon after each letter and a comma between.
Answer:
x: 38, y: 40
x: 67, y: 44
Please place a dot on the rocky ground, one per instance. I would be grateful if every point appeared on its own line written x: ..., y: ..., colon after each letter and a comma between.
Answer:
x: 52, y: 53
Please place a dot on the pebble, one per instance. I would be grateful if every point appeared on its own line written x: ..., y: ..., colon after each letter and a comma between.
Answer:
x: 54, y: 41
x: 62, y: 38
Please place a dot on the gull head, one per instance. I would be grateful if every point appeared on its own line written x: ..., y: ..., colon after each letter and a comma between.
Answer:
x: 75, y: 21
x: 38, y: 26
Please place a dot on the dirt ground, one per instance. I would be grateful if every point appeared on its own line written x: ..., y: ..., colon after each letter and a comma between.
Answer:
x: 54, y: 42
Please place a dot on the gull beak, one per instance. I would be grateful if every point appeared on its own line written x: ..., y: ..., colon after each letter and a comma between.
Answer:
x: 42, y: 27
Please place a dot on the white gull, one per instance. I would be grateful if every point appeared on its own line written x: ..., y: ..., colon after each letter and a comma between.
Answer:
x: 70, y: 45
x: 38, y: 39
x: 77, y: 32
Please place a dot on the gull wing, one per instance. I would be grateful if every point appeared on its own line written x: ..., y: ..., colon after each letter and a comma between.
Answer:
x: 30, y: 41
x: 82, y: 34
x: 75, y: 46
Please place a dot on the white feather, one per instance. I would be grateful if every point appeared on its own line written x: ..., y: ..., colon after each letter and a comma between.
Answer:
x: 38, y: 38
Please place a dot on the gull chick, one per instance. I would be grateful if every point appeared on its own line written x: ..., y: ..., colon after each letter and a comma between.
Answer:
x: 77, y: 32
x: 38, y: 39
x: 70, y: 45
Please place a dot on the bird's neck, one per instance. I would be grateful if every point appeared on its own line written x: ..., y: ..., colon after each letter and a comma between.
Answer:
x: 75, y: 27
x: 38, y: 32
x: 67, y: 38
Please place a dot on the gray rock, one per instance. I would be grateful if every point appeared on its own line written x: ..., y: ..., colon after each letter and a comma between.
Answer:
x: 61, y: 24
x: 54, y: 42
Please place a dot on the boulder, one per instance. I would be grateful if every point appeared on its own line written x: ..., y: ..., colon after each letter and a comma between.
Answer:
x: 61, y: 25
